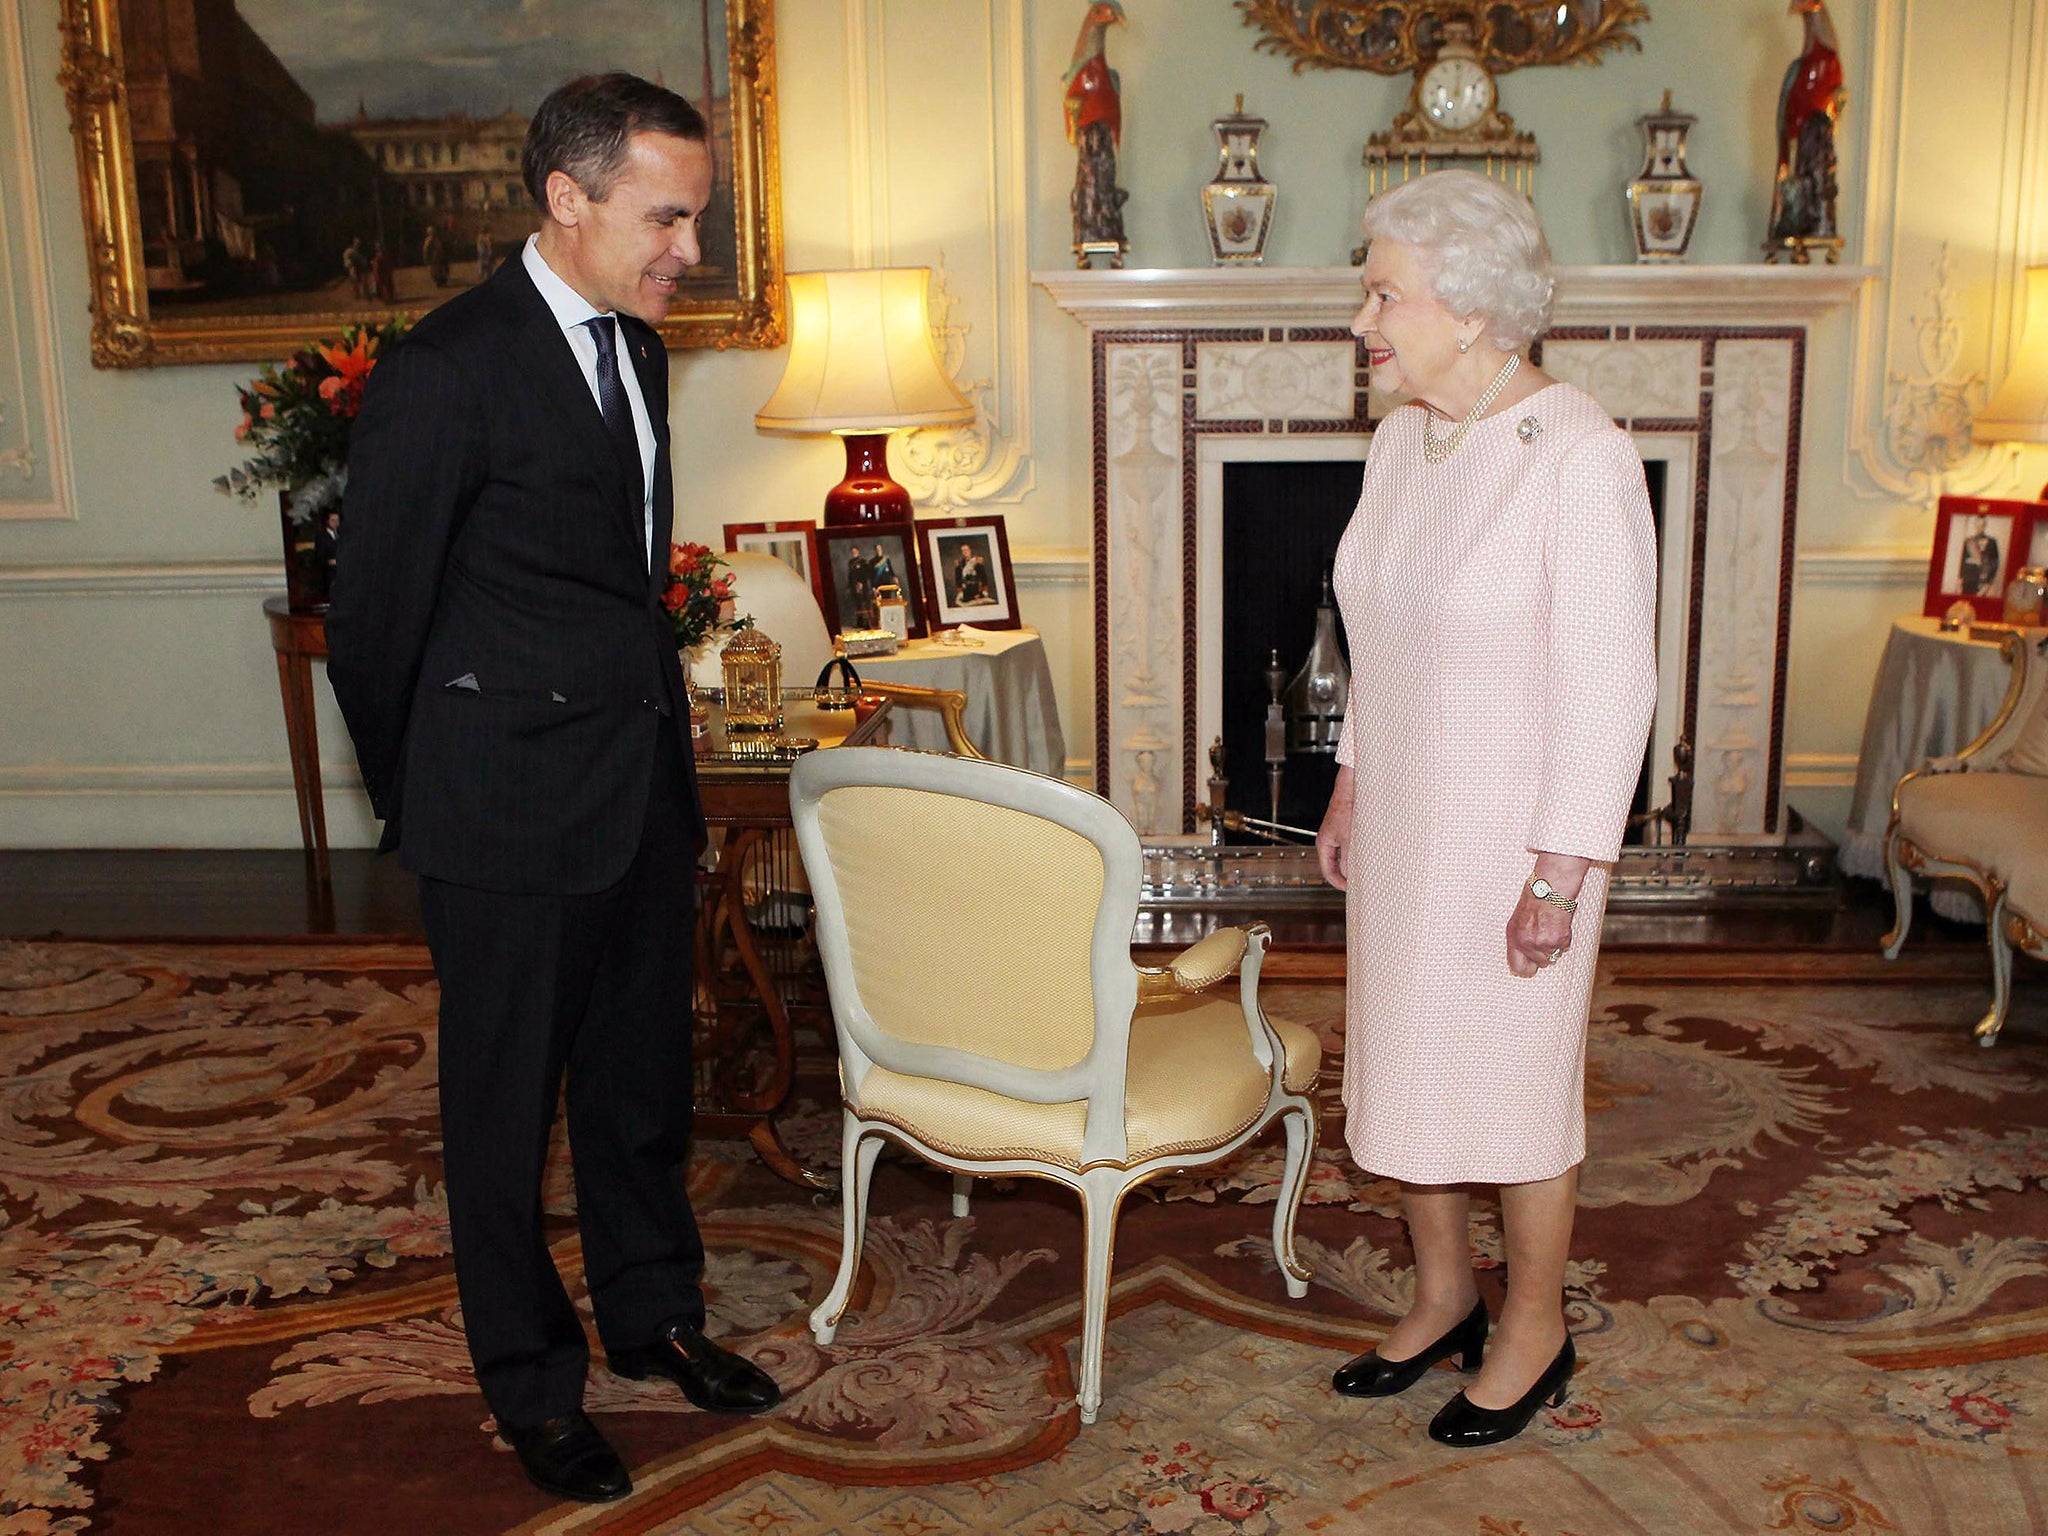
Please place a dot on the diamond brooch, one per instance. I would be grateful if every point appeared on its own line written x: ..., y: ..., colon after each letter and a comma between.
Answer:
x: 1529, y: 429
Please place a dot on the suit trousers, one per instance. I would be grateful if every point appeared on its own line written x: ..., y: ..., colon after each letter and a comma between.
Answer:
x: 598, y: 988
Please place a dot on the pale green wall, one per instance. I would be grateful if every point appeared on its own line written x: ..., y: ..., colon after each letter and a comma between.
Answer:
x: 151, y: 716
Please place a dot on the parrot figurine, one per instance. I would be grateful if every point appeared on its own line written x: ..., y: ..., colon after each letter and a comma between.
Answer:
x: 1809, y: 104
x: 1095, y: 122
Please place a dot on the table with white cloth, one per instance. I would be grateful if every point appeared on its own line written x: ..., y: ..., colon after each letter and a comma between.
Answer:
x: 1935, y: 693
x: 1011, y: 714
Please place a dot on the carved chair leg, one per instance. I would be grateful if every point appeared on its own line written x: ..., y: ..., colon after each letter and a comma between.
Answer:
x: 1300, y: 1120
x: 2001, y: 970
x: 1902, y: 897
x: 856, y: 1172
x: 1102, y: 1194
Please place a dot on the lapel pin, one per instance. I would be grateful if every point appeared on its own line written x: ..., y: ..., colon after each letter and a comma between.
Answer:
x: 1529, y: 429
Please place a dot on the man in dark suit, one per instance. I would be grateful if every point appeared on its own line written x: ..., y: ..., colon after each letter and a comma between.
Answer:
x: 497, y: 643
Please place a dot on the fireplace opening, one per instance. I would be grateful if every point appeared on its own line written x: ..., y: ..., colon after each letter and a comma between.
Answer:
x: 1281, y: 521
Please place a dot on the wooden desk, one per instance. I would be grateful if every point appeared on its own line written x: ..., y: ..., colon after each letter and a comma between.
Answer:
x: 755, y: 976
x: 748, y: 982
x: 299, y: 639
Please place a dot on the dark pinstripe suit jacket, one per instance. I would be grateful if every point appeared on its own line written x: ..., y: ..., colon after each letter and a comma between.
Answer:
x: 495, y: 637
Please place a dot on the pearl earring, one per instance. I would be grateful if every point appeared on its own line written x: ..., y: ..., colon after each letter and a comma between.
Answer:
x: 1464, y: 346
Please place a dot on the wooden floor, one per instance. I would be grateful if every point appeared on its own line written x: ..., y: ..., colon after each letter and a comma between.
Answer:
x: 246, y: 893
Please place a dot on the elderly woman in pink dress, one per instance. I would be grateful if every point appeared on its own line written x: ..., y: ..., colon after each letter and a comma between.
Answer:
x: 1498, y: 587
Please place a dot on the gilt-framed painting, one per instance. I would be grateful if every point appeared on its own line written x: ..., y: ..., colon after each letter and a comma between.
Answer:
x: 259, y: 173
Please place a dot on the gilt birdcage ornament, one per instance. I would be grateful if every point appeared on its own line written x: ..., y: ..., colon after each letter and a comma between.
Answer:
x: 752, y: 664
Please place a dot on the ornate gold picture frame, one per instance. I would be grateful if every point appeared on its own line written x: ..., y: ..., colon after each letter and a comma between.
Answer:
x: 225, y: 221
x: 1392, y: 37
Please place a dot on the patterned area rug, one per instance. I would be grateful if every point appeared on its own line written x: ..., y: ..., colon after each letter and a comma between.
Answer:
x: 1810, y: 1289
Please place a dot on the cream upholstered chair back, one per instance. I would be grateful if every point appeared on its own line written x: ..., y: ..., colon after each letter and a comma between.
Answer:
x: 2018, y: 740
x: 975, y: 924
x: 785, y: 609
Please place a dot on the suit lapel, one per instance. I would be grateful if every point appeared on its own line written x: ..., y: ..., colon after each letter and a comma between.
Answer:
x: 551, y: 364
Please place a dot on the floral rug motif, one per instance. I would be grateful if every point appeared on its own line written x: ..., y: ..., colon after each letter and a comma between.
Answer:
x: 1810, y: 1290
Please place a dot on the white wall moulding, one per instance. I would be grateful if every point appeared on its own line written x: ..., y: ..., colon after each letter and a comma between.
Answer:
x: 173, y: 805
x: 1199, y: 297
x: 1051, y: 570
x: 1863, y: 568
x: 1820, y: 770
x: 1704, y: 366
x: 1932, y: 335
x: 35, y: 454
x: 981, y: 302
x: 197, y: 578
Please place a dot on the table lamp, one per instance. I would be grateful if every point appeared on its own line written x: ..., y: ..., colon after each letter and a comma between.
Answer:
x: 2018, y: 413
x: 861, y: 364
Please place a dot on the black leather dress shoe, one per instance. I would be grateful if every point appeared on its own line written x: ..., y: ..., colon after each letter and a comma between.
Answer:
x: 1462, y: 1422
x: 1371, y: 1376
x: 570, y: 1459
x: 716, y: 1380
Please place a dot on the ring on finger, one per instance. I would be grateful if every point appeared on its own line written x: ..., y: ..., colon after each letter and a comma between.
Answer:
x: 1556, y: 955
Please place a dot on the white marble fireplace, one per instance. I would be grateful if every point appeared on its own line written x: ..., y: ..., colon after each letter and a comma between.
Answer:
x: 1704, y: 366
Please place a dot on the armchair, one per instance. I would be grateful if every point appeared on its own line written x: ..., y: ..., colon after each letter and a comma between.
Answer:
x: 1982, y: 816
x: 1050, y: 1054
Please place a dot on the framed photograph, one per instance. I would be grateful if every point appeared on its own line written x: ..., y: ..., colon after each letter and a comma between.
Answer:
x: 2037, y: 536
x: 256, y: 176
x: 856, y: 563
x: 968, y: 578
x: 1975, y: 551
x: 788, y: 542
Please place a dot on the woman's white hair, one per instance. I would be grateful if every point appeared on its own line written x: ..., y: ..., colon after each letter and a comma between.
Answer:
x: 1481, y: 245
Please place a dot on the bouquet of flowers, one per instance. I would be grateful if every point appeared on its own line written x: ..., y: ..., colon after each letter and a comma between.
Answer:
x: 298, y: 419
x: 698, y: 599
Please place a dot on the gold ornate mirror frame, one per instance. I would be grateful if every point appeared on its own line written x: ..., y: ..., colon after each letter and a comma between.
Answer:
x: 1392, y: 37
x: 127, y: 333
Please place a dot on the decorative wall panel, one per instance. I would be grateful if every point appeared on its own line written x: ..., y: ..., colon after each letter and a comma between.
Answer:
x: 1309, y: 380
x: 34, y: 457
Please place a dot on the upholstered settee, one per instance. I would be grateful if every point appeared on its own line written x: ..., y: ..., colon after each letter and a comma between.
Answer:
x: 1982, y: 816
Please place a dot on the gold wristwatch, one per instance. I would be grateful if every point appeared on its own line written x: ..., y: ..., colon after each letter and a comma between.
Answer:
x: 1542, y: 890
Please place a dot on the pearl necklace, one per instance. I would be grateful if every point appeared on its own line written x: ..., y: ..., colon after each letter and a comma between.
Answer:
x: 1435, y: 451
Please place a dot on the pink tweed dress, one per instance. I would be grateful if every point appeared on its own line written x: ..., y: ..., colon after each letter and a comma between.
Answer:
x: 1501, y: 614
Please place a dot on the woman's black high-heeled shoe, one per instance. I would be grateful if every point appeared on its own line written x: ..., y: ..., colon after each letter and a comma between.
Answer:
x: 1370, y: 1376
x: 1462, y: 1422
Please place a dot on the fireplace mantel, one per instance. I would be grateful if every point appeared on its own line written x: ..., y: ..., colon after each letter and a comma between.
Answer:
x: 1197, y: 298
x: 1704, y: 366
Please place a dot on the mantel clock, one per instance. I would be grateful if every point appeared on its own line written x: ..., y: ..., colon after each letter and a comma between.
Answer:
x: 1456, y: 49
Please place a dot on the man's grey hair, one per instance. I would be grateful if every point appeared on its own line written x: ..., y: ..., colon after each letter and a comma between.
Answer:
x: 1481, y: 245
x: 583, y: 127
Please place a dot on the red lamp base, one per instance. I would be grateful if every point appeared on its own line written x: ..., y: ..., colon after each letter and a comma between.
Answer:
x: 867, y: 494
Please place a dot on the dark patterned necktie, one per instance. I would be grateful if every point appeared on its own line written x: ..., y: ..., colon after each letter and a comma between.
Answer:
x: 616, y: 409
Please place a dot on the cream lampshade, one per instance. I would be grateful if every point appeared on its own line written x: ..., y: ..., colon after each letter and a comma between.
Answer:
x: 861, y: 364
x: 2018, y: 413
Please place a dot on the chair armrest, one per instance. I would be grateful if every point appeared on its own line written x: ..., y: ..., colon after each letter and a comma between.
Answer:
x: 951, y: 704
x: 1195, y: 969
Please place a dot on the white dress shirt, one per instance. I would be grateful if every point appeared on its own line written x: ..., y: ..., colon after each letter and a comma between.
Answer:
x: 572, y: 311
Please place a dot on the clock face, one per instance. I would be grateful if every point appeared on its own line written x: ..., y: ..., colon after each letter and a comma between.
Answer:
x: 1456, y: 93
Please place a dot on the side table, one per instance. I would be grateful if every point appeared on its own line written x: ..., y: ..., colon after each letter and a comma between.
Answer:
x: 1011, y: 714
x: 1934, y: 691
x: 299, y: 639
